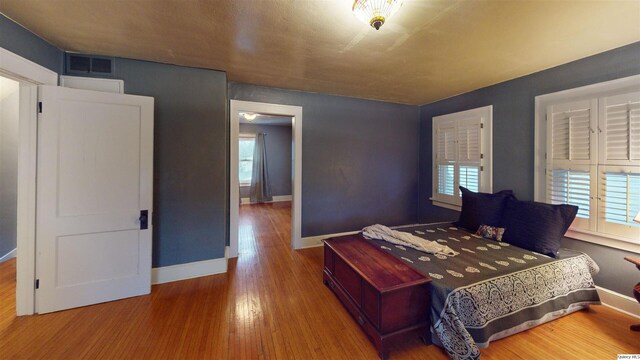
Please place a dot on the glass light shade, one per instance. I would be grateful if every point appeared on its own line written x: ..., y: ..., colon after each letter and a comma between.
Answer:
x: 249, y: 117
x: 375, y: 12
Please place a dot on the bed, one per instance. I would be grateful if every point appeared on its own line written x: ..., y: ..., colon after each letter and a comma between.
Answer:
x: 493, y: 289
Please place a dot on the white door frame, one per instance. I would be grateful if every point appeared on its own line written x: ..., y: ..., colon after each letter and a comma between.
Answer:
x: 295, y: 112
x: 29, y: 75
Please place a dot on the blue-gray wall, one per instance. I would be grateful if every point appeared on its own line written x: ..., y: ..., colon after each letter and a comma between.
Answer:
x: 513, y: 141
x: 278, y: 144
x: 18, y: 40
x: 360, y: 159
x: 190, y: 157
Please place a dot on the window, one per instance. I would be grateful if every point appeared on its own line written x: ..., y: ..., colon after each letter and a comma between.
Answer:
x: 245, y: 151
x: 593, y: 162
x: 461, y: 155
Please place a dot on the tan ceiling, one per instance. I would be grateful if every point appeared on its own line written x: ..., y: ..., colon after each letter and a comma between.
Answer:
x: 431, y: 49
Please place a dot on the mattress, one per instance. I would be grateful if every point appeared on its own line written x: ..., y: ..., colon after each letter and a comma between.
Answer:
x: 493, y: 289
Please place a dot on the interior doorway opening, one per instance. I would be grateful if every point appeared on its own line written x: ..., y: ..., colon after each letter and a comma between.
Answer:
x: 9, y: 148
x: 284, y: 184
x: 265, y: 164
x: 29, y: 75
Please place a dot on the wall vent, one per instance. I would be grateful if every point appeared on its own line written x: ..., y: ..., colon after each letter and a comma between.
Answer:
x: 88, y: 65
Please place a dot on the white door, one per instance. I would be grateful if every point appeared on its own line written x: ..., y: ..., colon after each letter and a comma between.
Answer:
x: 95, y: 178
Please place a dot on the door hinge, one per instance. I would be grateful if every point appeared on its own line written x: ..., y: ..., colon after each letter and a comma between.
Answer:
x: 37, y: 283
x: 481, y: 125
x: 481, y: 168
x: 39, y: 107
x: 481, y: 156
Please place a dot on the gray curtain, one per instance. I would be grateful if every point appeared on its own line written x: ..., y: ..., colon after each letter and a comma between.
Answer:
x: 260, y: 186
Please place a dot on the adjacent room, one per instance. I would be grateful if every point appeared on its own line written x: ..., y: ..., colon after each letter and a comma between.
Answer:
x: 265, y: 175
x: 361, y: 179
x: 9, y: 108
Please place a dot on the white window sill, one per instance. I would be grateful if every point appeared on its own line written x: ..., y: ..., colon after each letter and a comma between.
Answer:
x: 245, y: 184
x: 445, y: 205
x: 611, y: 241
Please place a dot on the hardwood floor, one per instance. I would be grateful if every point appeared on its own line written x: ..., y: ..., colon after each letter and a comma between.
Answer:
x: 270, y: 305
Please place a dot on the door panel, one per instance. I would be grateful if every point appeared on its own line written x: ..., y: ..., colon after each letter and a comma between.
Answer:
x: 96, y: 257
x: 95, y: 155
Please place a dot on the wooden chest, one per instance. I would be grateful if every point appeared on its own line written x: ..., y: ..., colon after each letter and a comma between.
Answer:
x: 387, y: 298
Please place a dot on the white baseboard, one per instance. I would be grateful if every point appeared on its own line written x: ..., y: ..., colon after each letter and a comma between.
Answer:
x: 10, y: 255
x: 314, y: 241
x: 617, y: 301
x: 278, y: 198
x: 186, y: 271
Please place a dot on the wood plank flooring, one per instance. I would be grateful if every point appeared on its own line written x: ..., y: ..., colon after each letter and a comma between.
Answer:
x: 270, y: 305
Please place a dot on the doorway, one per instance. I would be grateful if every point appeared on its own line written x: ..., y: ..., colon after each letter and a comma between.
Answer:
x: 9, y: 107
x: 9, y: 121
x: 265, y: 175
x: 237, y: 115
x: 28, y: 75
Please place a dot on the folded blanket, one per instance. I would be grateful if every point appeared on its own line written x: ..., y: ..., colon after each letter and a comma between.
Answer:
x: 382, y: 232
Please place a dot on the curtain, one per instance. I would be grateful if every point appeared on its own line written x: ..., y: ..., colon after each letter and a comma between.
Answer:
x: 260, y: 186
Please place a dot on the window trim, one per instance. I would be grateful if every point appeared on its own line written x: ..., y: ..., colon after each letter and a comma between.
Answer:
x: 486, y: 149
x: 244, y: 136
x: 598, y: 90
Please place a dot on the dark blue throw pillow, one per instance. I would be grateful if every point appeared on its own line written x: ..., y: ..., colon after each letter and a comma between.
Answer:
x: 537, y: 226
x: 482, y: 208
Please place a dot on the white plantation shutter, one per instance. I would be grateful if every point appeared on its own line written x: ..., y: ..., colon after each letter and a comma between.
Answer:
x: 571, y: 187
x: 619, y: 194
x: 469, y: 152
x: 620, y: 129
x: 470, y: 177
x: 571, y: 127
x: 469, y: 140
x: 459, y: 154
x: 574, y: 187
x: 445, y: 160
x: 571, y: 158
x: 446, y: 179
x: 446, y: 135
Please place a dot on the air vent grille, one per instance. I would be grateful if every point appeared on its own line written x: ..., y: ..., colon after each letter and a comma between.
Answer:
x: 88, y: 64
x: 80, y: 64
x: 99, y: 65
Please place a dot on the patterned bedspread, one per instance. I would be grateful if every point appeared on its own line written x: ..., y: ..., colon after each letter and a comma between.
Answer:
x: 492, y: 289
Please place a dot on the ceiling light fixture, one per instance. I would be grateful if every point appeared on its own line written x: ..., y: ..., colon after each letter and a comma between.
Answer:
x: 249, y: 117
x: 375, y: 12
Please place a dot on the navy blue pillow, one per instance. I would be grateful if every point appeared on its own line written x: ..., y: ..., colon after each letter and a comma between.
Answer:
x: 536, y: 226
x: 482, y: 208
